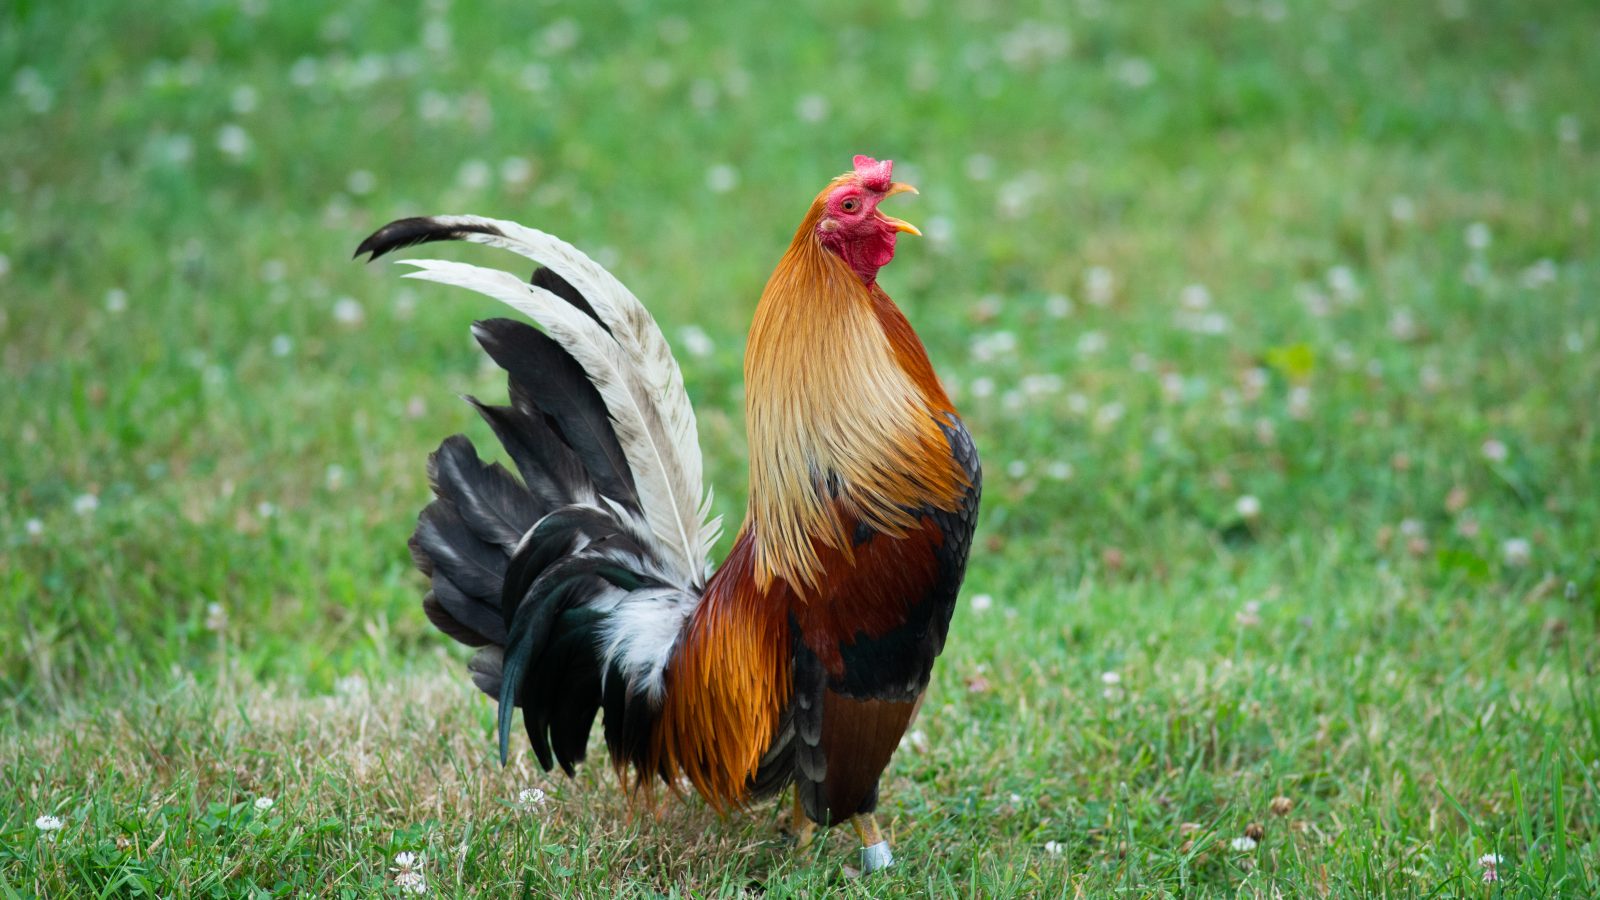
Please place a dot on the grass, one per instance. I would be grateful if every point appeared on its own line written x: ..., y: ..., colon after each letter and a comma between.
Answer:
x: 1336, y: 258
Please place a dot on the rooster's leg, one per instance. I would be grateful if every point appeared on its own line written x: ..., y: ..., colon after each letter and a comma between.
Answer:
x: 800, y: 828
x: 875, y: 853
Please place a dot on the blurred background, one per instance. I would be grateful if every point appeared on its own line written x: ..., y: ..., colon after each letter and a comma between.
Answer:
x: 1275, y: 321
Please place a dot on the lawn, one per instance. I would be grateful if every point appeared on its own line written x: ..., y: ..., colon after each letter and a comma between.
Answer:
x: 1277, y: 324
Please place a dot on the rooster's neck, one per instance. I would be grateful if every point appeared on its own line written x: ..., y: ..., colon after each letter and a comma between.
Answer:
x: 843, y: 413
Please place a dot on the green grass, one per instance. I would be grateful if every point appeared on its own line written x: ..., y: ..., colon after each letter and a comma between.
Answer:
x: 1392, y: 210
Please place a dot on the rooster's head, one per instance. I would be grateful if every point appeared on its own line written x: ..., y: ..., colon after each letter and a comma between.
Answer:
x: 851, y: 226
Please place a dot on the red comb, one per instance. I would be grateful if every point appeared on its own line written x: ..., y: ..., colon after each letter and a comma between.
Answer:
x: 874, y: 175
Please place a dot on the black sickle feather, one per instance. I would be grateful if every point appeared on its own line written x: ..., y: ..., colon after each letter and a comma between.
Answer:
x: 484, y: 667
x: 547, y: 278
x: 447, y: 623
x: 550, y: 471
x: 472, y: 612
x: 568, y: 583
x: 454, y: 550
x: 410, y: 232
x: 490, y: 501
x: 402, y: 233
x: 546, y: 376
x: 555, y: 536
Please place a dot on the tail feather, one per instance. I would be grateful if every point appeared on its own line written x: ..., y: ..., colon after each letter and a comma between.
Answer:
x: 491, y: 503
x: 484, y: 669
x: 463, y: 618
x: 633, y: 400
x: 566, y: 603
x: 455, y: 552
x: 550, y: 470
x: 619, y: 346
x: 575, y: 580
x: 546, y: 378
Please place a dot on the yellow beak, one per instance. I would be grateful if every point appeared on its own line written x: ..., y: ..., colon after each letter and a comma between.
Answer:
x: 898, y: 187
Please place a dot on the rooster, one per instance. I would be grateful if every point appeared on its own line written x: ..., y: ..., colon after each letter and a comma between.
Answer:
x: 587, y: 585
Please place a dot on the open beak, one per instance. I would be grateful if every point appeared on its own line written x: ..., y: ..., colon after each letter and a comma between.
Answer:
x: 898, y: 187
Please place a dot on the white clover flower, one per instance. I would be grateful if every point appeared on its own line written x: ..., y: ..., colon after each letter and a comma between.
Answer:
x: 1054, y: 848
x: 515, y: 170
x: 244, y: 99
x: 993, y: 345
x: 1491, y: 867
x: 34, y: 527
x: 1243, y: 843
x: 411, y: 882
x: 474, y: 175
x: 116, y: 300
x: 85, y: 504
x: 1058, y: 306
x: 1059, y: 470
x: 1299, y: 402
x: 1109, y: 415
x: 1516, y: 551
x: 406, y: 861
x: 1541, y: 273
x: 1248, y: 507
x: 1110, y: 679
x: 360, y: 182
x: 48, y: 823
x: 1099, y: 285
x: 696, y: 341
x: 216, y: 617
x: 811, y: 108
x: 560, y: 35
x: 1478, y: 236
x: 1135, y: 72
x: 982, y: 603
x: 1035, y: 385
x: 1403, y: 325
x: 304, y: 72
x: 531, y: 798
x: 1342, y: 281
x: 916, y: 740
x: 233, y: 140
x: 348, y: 311
x: 263, y: 803
x: 1494, y: 450
x: 722, y: 178
x: 282, y: 345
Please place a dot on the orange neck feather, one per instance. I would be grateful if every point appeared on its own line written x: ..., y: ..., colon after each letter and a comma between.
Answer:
x: 842, y: 406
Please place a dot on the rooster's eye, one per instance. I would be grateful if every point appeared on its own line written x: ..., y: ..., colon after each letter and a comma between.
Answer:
x: 849, y: 205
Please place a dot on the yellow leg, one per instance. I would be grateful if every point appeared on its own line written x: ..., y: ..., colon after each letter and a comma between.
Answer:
x: 802, y: 829
x: 875, y: 853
